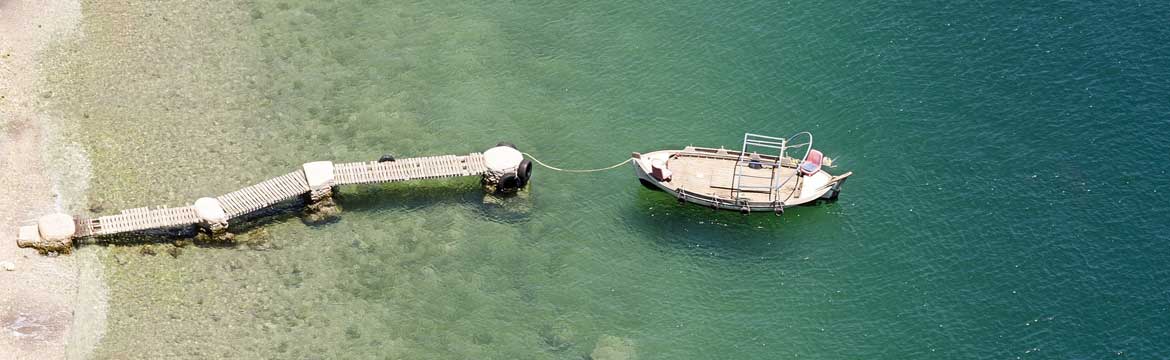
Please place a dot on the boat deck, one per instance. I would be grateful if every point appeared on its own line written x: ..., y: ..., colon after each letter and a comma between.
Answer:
x: 712, y: 175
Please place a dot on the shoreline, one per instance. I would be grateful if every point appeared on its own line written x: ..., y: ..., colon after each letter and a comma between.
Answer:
x: 41, y: 310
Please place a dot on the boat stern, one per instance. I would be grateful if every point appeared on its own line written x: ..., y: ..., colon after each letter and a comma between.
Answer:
x: 835, y: 186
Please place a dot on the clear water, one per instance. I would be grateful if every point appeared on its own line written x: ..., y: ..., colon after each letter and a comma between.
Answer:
x: 1010, y: 196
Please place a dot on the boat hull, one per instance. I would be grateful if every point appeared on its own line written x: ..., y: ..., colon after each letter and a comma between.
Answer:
x: 642, y: 170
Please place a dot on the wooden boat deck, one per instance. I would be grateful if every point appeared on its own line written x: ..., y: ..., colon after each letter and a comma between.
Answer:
x: 712, y: 175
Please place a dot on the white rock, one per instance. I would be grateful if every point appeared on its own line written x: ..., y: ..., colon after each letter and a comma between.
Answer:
x: 8, y: 266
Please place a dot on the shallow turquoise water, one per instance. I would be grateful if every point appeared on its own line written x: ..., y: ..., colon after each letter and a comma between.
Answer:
x: 1009, y: 198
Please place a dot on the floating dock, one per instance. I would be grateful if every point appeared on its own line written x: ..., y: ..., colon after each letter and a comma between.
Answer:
x: 502, y: 168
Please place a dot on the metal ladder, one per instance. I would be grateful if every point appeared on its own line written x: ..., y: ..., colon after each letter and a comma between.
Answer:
x: 745, y: 162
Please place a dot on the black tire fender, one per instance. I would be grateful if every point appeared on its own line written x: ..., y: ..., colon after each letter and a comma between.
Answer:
x: 524, y: 171
x: 508, y: 182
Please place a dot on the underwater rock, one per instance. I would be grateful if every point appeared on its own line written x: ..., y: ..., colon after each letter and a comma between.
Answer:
x: 175, y: 251
x: 147, y: 250
x: 53, y: 248
x: 557, y: 337
x: 96, y: 207
x: 222, y: 239
x: 613, y: 348
x: 259, y: 239
x: 321, y: 212
x: 513, y: 205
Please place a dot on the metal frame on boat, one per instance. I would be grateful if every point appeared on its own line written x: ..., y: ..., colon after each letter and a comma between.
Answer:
x: 746, y: 180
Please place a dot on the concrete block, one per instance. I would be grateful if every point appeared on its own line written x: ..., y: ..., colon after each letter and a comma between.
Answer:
x: 56, y: 227
x: 501, y: 159
x: 29, y: 235
x: 319, y: 174
x: 210, y: 211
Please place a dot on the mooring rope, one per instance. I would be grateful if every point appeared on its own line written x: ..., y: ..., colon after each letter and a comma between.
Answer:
x: 576, y: 171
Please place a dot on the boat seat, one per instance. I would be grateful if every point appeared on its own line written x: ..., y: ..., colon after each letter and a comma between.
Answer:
x: 755, y: 162
x: 812, y: 163
x: 659, y: 171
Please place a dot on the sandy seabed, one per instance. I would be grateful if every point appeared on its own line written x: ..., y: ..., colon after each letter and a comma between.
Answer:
x: 50, y: 307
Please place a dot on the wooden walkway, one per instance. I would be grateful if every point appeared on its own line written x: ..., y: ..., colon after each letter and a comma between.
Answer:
x: 264, y: 194
x: 285, y: 187
x: 433, y: 167
x: 137, y: 219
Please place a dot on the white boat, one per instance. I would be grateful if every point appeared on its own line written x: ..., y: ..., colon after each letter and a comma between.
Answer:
x: 761, y: 176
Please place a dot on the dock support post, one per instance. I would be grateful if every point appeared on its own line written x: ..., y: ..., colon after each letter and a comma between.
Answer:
x: 52, y: 234
x: 507, y: 170
x: 320, y: 205
x: 319, y: 176
x: 213, y: 219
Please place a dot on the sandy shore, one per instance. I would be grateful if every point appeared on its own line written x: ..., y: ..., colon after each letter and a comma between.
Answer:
x: 39, y: 301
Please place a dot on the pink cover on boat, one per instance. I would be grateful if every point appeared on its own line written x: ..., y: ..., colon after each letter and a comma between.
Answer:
x: 812, y: 162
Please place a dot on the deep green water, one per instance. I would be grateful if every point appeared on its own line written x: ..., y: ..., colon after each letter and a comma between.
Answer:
x: 1009, y: 197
